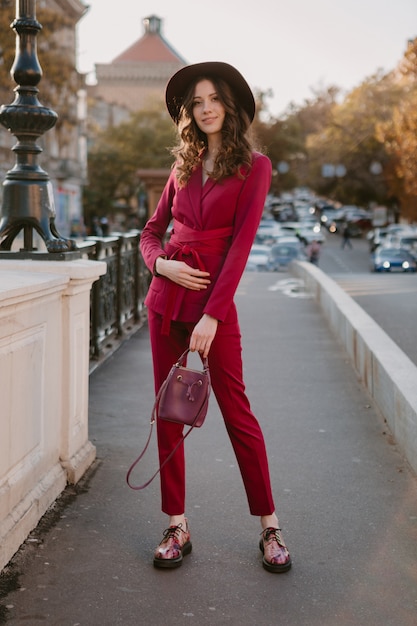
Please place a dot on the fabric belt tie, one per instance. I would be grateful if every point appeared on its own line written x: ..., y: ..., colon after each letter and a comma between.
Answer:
x: 188, y: 242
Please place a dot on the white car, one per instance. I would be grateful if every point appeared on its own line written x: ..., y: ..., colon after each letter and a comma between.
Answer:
x: 258, y: 258
x: 312, y: 233
x: 306, y: 232
x: 267, y: 232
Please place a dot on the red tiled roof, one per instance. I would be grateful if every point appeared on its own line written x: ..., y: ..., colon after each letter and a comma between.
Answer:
x: 151, y: 47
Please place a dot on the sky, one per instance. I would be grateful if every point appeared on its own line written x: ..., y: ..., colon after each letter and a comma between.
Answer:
x: 291, y: 47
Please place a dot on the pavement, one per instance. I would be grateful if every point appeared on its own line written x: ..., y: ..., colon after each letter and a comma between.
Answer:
x: 345, y: 496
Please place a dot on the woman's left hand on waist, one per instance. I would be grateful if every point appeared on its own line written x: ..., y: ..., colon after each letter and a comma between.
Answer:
x: 182, y: 274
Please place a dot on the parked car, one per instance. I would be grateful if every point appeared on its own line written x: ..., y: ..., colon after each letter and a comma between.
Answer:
x: 376, y: 237
x: 406, y: 240
x: 307, y: 231
x: 312, y: 232
x: 328, y: 220
x: 359, y: 220
x: 281, y: 255
x: 389, y: 235
x: 258, y: 258
x: 387, y: 259
x: 290, y: 228
x: 290, y: 240
x: 282, y: 211
x: 326, y: 214
x: 392, y: 229
x: 267, y: 232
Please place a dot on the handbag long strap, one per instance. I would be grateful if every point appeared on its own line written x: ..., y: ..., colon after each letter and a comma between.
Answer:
x: 152, y: 422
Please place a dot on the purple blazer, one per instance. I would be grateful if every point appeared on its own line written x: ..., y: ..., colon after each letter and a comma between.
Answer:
x: 214, y: 227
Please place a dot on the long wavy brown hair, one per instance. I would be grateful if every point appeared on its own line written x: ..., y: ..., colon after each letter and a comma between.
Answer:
x: 235, y: 154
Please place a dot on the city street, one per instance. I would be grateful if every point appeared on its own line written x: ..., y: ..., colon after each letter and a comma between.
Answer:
x: 390, y: 299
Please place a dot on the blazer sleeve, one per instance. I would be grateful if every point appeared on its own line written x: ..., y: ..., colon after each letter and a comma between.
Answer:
x: 154, y: 231
x: 249, y: 209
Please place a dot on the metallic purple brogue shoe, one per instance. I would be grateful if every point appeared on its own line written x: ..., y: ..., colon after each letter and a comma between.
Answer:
x: 276, y: 557
x: 174, y: 546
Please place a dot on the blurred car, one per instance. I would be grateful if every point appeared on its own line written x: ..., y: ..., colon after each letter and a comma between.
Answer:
x: 281, y: 255
x: 290, y: 228
x: 282, y: 211
x: 389, y: 235
x: 385, y: 259
x: 304, y: 212
x: 326, y: 214
x: 267, y: 232
x: 312, y: 232
x: 405, y: 239
x: 306, y: 232
x: 376, y: 237
x: 258, y: 258
x: 290, y: 240
x: 393, y: 229
x: 359, y: 220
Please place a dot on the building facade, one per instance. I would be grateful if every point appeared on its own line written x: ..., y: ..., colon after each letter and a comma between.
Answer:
x: 138, y: 76
x: 135, y: 80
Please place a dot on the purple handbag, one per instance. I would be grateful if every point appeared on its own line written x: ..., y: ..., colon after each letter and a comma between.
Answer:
x: 182, y: 398
x: 184, y: 395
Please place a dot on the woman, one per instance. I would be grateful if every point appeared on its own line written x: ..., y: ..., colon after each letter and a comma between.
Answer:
x: 215, y: 195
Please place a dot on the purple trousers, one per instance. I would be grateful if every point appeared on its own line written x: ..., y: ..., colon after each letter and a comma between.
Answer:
x: 225, y: 362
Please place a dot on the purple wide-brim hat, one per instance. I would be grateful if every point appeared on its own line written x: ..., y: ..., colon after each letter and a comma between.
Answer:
x: 181, y: 80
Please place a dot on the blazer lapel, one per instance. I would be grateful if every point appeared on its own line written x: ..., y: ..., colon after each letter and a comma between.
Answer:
x: 208, y: 186
x: 195, y: 191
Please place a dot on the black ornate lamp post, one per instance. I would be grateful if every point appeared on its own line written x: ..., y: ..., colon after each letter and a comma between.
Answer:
x: 28, y: 201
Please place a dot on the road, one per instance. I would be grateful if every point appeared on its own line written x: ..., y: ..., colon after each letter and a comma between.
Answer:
x: 390, y: 299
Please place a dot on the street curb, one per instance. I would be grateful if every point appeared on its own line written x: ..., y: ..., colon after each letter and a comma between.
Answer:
x: 387, y: 373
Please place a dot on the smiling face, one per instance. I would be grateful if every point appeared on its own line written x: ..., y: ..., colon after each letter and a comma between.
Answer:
x: 208, y: 111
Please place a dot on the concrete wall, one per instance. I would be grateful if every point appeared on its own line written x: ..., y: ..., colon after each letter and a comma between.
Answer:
x: 388, y: 374
x: 44, y: 369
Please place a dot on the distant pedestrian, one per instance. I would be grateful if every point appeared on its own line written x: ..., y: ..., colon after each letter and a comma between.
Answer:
x: 95, y: 230
x: 104, y: 223
x: 346, y: 237
x: 313, y: 252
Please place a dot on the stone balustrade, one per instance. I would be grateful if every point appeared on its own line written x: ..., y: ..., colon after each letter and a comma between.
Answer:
x: 44, y: 371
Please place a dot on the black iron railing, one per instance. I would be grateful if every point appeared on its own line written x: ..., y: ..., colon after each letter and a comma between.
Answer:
x: 117, y: 297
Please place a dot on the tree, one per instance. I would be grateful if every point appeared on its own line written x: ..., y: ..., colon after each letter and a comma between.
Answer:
x: 117, y: 154
x: 351, y: 140
x: 408, y: 64
x: 57, y: 66
x: 273, y: 140
x: 315, y: 114
x: 399, y: 135
x: 285, y: 139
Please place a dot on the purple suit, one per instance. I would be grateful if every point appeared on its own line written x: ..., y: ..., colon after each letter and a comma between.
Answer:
x: 214, y: 227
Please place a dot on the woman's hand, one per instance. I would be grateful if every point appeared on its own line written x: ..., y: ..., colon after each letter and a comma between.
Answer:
x: 203, y: 335
x: 182, y: 274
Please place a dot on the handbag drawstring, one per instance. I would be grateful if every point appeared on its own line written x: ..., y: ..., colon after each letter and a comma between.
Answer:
x: 188, y: 393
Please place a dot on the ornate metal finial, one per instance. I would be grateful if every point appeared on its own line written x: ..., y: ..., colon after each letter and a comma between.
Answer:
x: 28, y: 201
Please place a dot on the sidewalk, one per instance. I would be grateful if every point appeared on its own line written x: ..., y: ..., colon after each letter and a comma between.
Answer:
x: 346, y: 499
